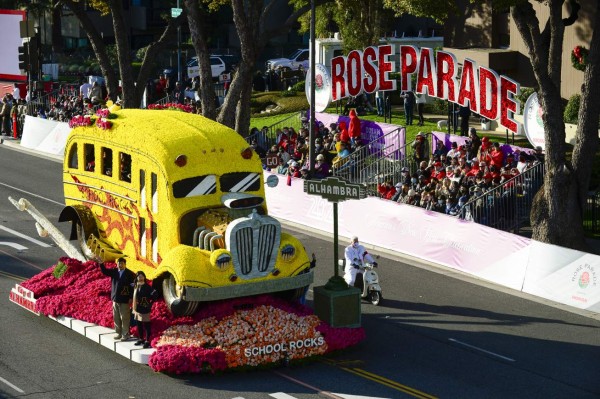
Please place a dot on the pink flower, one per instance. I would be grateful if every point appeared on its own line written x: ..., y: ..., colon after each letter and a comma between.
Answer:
x: 215, y: 338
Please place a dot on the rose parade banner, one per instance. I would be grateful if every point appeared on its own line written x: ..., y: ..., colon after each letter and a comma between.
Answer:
x: 555, y: 273
x: 484, y: 91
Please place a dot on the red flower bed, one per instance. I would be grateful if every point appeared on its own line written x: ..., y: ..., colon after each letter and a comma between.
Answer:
x: 221, y: 335
x: 181, y: 107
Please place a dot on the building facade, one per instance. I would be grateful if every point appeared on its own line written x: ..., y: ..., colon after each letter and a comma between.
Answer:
x: 490, y: 37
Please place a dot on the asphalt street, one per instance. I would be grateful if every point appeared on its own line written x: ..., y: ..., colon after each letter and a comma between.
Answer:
x: 436, y: 334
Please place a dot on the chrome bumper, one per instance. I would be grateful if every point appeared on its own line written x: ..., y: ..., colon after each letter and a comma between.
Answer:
x: 195, y: 294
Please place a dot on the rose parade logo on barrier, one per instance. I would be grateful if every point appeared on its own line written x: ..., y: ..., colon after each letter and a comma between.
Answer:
x: 481, y: 89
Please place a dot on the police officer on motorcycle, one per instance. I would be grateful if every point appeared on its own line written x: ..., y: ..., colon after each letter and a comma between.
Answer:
x: 355, y: 255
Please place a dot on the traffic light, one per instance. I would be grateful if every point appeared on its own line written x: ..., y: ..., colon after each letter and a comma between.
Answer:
x: 33, y: 54
x: 23, y: 58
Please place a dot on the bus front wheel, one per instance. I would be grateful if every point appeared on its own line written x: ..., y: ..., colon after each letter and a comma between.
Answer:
x: 172, y: 294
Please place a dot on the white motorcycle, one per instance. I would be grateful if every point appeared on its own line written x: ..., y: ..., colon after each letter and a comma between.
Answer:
x: 366, y: 280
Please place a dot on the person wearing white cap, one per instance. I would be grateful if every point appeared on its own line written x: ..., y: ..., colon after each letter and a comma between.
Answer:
x: 321, y: 167
x: 355, y: 255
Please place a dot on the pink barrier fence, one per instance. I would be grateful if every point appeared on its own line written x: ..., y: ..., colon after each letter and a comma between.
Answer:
x: 559, y: 274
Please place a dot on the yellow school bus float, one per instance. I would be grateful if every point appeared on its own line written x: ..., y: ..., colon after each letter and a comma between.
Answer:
x: 182, y: 198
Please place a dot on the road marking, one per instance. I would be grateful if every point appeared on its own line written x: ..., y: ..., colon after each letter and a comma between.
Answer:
x: 23, y: 236
x: 379, y: 379
x: 281, y: 395
x: 12, y: 276
x: 22, y: 260
x: 16, y: 388
x: 304, y: 384
x: 389, y: 383
x: 341, y: 395
x: 16, y: 246
x: 32, y: 194
x: 481, y: 350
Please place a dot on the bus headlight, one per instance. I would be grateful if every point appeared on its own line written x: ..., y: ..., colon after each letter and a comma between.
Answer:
x: 221, y: 259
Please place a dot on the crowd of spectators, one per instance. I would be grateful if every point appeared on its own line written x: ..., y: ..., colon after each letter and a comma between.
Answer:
x: 12, y: 108
x: 447, y: 178
x: 443, y: 180
x: 289, y: 149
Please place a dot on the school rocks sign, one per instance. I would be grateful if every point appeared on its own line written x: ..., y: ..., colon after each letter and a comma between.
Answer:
x: 285, y: 347
x: 439, y: 75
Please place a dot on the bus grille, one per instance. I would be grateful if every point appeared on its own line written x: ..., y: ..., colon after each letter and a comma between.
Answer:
x: 253, y: 242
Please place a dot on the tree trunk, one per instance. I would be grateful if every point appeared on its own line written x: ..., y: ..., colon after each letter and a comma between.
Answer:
x: 197, y: 20
x: 247, y: 17
x: 123, y: 54
x: 242, y: 121
x: 557, y: 212
x: 98, y: 46
x: 152, y: 52
x: 589, y: 114
x: 255, y: 29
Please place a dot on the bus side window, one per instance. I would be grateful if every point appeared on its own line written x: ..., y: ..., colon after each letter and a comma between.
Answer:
x: 107, y: 161
x: 90, y: 157
x: 73, y: 160
x: 125, y: 167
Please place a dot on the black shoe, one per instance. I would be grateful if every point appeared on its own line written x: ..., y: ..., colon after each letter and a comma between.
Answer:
x: 139, y: 342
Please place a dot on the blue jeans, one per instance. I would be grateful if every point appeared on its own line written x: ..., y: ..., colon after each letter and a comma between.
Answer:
x: 408, y: 110
x: 379, y: 102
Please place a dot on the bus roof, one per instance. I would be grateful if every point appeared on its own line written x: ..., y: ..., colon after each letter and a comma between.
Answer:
x: 163, y: 135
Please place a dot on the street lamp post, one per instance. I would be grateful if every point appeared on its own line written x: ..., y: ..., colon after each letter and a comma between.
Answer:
x: 311, y: 136
x: 178, y: 49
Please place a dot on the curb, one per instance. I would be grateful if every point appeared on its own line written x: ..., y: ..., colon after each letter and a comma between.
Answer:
x: 100, y: 335
x: 105, y: 337
x: 16, y: 145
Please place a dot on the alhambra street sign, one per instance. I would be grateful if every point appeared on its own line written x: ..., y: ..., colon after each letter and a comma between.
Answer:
x: 334, y: 190
x: 335, y: 302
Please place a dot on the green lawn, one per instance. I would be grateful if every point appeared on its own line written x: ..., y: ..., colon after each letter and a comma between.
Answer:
x: 288, y: 104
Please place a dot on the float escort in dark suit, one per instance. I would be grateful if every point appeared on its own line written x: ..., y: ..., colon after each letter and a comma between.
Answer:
x: 121, y: 294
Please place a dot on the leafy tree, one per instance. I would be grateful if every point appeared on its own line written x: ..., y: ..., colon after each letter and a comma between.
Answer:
x: 557, y: 210
x: 132, y: 88
x: 360, y: 23
x: 255, y: 27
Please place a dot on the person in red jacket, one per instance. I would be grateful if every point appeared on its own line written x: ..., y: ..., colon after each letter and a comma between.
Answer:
x: 386, y: 190
x: 439, y: 171
x: 354, y: 128
x: 344, y: 135
x: 497, y: 156
x: 474, y: 167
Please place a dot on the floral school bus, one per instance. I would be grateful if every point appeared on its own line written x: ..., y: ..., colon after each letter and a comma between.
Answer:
x: 182, y: 198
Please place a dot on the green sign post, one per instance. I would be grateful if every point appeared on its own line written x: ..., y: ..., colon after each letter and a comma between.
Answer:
x: 335, y: 302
